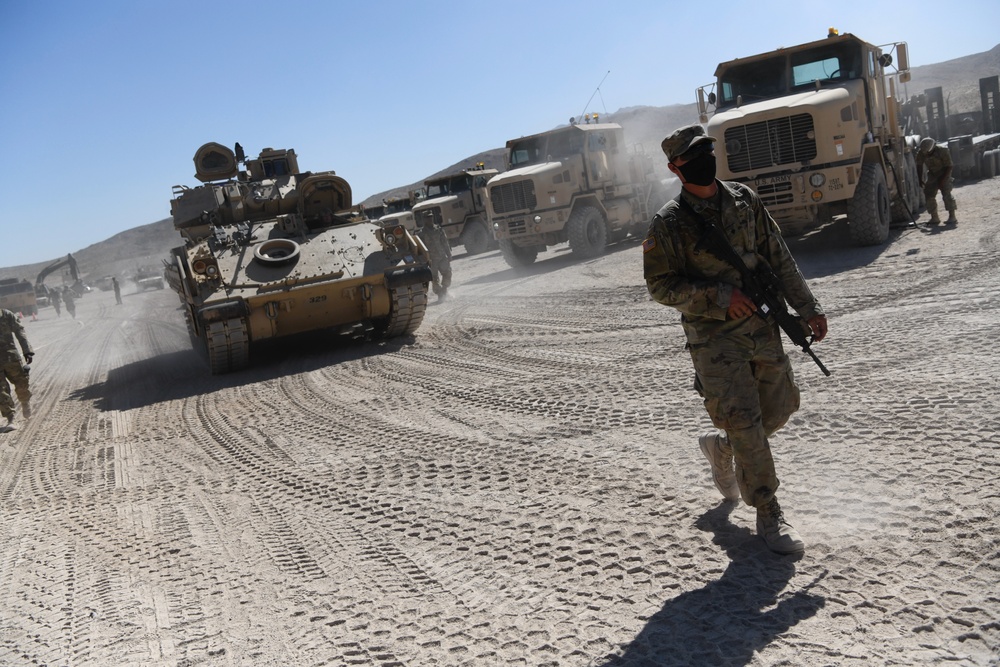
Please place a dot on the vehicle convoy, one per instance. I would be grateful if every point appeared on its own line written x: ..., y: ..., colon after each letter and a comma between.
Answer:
x: 815, y: 130
x: 269, y: 253
x: 457, y: 202
x: 18, y: 296
x: 399, y: 210
x: 576, y: 183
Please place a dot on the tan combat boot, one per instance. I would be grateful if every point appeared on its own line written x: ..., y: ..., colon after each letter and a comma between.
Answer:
x: 779, y: 536
x: 719, y: 453
x: 952, y: 220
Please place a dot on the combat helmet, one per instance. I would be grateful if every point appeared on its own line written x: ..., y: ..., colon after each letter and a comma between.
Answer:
x: 927, y: 145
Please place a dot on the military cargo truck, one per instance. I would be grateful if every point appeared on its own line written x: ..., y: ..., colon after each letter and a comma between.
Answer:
x: 18, y: 296
x: 577, y: 183
x: 457, y: 202
x: 815, y: 130
x: 271, y: 252
x: 399, y: 210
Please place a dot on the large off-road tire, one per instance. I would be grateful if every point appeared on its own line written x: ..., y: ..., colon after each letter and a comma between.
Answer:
x: 588, y: 235
x: 477, y: 238
x: 228, y: 346
x: 406, y: 312
x: 868, y: 212
x: 517, y: 256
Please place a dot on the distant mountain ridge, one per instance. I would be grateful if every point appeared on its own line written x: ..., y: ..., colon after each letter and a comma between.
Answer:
x: 644, y: 126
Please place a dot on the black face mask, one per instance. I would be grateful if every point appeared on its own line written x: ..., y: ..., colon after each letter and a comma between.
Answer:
x: 699, y: 171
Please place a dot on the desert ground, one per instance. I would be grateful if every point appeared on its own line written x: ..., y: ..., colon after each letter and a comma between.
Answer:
x: 517, y: 484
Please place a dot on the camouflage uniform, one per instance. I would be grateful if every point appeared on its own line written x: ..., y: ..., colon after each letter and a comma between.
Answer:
x: 11, y: 365
x: 939, y: 166
x: 741, y: 369
x: 440, y: 251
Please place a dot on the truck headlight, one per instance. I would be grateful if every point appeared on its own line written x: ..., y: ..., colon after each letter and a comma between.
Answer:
x: 817, y: 180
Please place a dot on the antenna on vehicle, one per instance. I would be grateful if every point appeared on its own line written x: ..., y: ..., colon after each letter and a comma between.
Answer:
x: 596, y: 91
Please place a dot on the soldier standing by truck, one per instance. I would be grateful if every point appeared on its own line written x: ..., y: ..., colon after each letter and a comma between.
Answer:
x: 937, y: 159
x: 741, y: 369
x: 13, y: 369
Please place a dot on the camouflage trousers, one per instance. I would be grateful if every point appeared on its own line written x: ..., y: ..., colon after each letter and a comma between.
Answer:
x: 750, y: 392
x: 441, y: 274
x: 930, y: 192
x: 13, y: 372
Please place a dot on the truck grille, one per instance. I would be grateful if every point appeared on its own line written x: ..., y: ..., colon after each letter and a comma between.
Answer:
x: 770, y: 143
x: 777, y: 193
x: 516, y: 196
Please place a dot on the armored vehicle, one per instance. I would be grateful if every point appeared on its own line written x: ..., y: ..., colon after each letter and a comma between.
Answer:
x: 271, y: 252
x: 576, y: 183
x: 148, y: 278
x: 457, y: 202
x: 815, y: 129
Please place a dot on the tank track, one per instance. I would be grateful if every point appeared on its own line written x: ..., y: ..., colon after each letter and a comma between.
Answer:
x: 228, y: 346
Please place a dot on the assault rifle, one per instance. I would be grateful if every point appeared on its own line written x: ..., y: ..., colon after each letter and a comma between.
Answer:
x: 762, y: 287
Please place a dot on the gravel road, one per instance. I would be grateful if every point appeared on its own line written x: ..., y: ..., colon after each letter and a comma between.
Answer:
x: 518, y: 484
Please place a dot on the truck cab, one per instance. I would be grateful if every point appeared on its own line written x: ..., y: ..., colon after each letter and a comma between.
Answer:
x: 815, y: 130
x: 457, y: 202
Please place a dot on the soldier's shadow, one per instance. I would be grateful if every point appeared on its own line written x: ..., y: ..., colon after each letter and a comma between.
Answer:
x: 729, y: 620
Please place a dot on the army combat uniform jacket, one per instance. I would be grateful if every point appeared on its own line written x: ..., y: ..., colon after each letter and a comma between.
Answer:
x: 686, y: 276
x: 937, y: 161
x: 10, y: 328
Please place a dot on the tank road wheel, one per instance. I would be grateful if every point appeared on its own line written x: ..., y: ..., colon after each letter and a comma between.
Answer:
x: 406, y: 311
x: 516, y: 256
x: 228, y: 346
x: 476, y: 238
x: 588, y: 235
x: 868, y: 211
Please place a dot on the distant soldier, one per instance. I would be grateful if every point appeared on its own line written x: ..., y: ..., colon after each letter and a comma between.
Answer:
x: 440, y: 250
x: 12, y: 368
x: 937, y: 159
x: 118, y: 291
x: 68, y: 298
x: 56, y: 300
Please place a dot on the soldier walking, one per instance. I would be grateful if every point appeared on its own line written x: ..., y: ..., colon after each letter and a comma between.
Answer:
x: 741, y: 370
x: 118, y: 291
x: 937, y: 159
x: 437, y: 244
x: 13, y: 369
x: 69, y: 301
x: 56, y: 301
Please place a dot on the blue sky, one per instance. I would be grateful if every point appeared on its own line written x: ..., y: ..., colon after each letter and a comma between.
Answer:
x: 103, y: 103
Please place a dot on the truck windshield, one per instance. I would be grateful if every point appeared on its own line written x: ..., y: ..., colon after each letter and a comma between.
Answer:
x: 555, y: 146
x: 779, y: 75
x: 834, y: 62
x: 752, y: 81
x: 453, y: 185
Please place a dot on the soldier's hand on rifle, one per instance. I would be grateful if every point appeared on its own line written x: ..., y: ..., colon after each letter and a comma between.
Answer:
x: 740, y: 305
x: 28, y: 358
x: 817, y: 324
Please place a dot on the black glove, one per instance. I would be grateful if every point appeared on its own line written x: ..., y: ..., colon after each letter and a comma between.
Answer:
x: 29, y: 357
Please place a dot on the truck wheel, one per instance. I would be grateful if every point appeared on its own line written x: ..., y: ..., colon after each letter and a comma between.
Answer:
x: 588, y: 235
x: 868, y: 211
x: 476, y: 238
x: 517, y: 256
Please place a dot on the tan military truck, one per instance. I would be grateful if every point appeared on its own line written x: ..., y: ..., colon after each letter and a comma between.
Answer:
x: 18, y: 296
x: 399, y: 210
x: 577, y: 183
x: 815, y: 130
x: 457, y: 202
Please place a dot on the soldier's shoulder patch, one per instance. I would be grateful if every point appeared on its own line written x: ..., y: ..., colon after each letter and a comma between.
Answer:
x: 648, y: 244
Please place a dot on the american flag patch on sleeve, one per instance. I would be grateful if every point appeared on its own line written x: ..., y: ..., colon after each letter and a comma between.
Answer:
x: 648, y: 244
